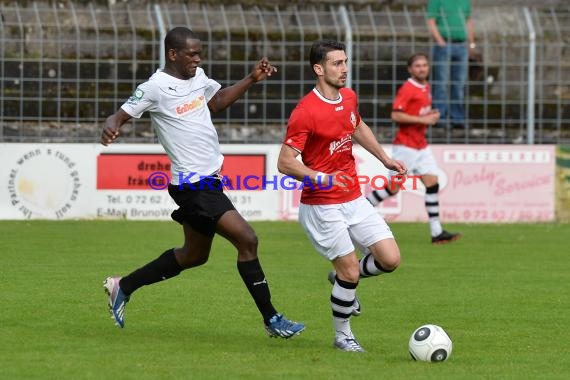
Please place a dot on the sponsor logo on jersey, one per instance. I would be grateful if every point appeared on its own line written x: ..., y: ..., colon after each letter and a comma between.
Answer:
x: 340, y: 145
x: 190, y: 106
x: 425, y: 110
x: 135, y: 97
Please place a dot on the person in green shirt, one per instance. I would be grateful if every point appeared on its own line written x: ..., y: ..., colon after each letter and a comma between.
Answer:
x: 451, y: 27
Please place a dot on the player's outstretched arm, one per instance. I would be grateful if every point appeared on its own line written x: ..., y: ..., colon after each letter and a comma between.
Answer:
x: 364, y: 136
x: 227, y: 96
x: 403, y: 118
x: 112, y: 125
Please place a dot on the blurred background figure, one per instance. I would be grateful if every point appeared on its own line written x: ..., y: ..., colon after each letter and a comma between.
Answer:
x: 451, y: 27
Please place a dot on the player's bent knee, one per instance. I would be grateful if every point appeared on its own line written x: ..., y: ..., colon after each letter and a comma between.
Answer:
x: 394, y: 188
x: 189, y: 261
x: 248, y: 241
x: 354, y: 275
x: 347, y: 267
x: 389, y: 261
x: 391, y: 264
x: 349, y: 275
x: 252, y: 239
x: 387, y: 254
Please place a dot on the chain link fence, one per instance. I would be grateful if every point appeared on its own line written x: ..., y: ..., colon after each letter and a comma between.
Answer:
x: 64, y: 68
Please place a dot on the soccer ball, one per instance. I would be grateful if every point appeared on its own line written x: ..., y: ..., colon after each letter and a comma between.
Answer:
x: 430, y: 343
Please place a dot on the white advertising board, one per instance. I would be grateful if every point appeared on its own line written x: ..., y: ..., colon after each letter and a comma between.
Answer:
x: 496, y: 183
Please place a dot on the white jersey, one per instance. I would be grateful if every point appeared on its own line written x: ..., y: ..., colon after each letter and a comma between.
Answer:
x: 181, y: 118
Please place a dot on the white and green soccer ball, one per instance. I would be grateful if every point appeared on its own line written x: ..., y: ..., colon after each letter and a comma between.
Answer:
x: 430, y: 343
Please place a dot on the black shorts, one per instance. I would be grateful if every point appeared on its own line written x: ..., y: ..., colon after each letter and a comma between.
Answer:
x: 200, y: 206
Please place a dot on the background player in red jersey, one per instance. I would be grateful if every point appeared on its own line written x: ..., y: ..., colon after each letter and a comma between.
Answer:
x: 321, y: 129
x: 413, y: 113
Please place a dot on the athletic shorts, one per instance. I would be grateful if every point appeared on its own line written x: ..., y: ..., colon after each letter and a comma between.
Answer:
x: 335, y: 229
x: 201, y: 206
x: 418, y: 161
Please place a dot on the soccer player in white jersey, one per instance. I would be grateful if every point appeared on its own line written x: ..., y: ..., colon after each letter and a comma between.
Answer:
x: 333, y: 212
x: 179, y: 99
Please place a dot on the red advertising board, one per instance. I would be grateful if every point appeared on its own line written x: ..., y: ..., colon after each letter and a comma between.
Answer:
x: 132, y: 171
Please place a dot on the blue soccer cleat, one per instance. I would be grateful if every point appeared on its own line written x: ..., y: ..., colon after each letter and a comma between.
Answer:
x: 117, y: 300
x: 279, y: 326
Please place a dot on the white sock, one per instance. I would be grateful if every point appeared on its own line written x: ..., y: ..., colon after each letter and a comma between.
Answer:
x: 369, y: 267
x: 377, y: 196
x: 342, y: 300
x: 435, y: 227
x: 432, y: 208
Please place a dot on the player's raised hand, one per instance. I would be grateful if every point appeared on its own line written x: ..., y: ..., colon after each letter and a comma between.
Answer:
x: 112, y: 125
x: 342, y: 180
x: 110, y: 134
x: 397, y: 166
x: 263, y: 69
x: 432, y: 117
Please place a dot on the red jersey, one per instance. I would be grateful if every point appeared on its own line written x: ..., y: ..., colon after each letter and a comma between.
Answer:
x: 414, y: 99
x: 321, y: 130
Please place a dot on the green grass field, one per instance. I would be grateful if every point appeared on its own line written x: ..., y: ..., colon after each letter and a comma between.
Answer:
x: 501, y: 292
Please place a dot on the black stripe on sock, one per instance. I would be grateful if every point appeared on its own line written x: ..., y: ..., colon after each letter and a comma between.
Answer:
x: 346, y: 284
x: 365, y: 265
x: 339, y: 302
x: 433, y: 214
x: 432, y: 189
x: 340, y: 315
x: 376, y: 196
x: 436, y: 203
x: 383, y: 269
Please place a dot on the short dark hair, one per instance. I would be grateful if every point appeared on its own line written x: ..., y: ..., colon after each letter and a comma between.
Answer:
x: 321, y: 48
x: 416, y: 56
x: 176, y: 38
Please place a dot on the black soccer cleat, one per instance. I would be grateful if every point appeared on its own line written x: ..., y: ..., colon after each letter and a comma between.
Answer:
x: 445, y: 237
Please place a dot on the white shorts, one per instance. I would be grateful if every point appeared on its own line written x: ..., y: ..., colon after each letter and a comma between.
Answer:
x: 418, y: 161
x: 335, y: 229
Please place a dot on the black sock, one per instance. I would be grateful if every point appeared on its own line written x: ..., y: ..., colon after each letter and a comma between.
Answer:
x: 164, y: 267
x: 253, y: 277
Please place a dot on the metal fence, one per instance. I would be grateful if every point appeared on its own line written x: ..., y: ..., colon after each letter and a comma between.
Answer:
x: 64, y: 68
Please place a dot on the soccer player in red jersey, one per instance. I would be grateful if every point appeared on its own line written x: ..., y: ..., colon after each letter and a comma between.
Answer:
x: 413, y: 113
x: 333, y: 212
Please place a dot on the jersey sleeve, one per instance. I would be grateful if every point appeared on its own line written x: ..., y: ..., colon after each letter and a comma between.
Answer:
x: 143, y: 99
x: 298, y: 129
x: 402, y: 100
x: 467, y: 12
x: 211, y: 85
x: 432, y: 9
